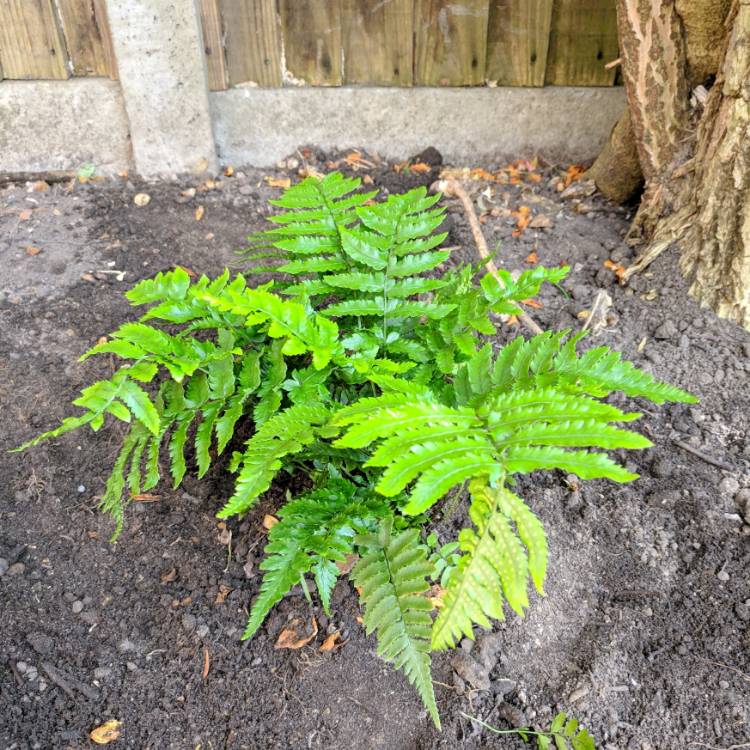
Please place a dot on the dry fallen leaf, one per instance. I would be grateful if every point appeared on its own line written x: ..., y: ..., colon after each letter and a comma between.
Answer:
x: 224, y: 592
x: 199, y: 211
x: 188, y: 193
x: 145, y: 497
x: 269, y: 521
x: 228, y: 170
x: 41, y: 186
x: 329, y: 644
x: 436, y: 595
x: 360, y: 619
x: 206, y: 662
x: 225, y: 534
x: 540, y: 221
x: 532, y: 303
x: 420, y: 168
x: 573, y: 173
x: 345, y: 566
x: 106, y: 733
x: 169, y: 576
x: 31, y: 250
x: 142, y: 199
x: 278, y: 182
x: 290, y: 637
x: 532, y: 258
x: 522, y: 217
x: 25, y: 215
x: 616, y: 268
x: 189, y: 271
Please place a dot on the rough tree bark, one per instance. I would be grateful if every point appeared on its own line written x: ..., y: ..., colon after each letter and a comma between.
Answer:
x: 695, y: 159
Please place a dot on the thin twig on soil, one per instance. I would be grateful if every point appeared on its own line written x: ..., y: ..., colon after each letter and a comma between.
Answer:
x: 727, y: 666
x: 708, y: 459
x: 454, y: 189
x: 718, y: 747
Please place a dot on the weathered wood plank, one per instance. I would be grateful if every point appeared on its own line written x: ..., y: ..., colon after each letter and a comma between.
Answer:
x: 87, y: 36
x: 378, y: 41
x: 253, y: 43
x: 517, y: 42
x: 451, y: 42
x: 31, y: 44
x: 213, y: 43
x: 311, y: 31
x: 583, y: 40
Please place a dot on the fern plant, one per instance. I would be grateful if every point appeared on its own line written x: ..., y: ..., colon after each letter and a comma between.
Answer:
x: 367, y: 364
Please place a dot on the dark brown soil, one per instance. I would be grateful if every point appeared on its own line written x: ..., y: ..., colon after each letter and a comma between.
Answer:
x: 645, y: 630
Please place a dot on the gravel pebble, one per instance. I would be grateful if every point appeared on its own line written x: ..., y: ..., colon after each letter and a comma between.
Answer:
x: 41, y: 643
x: 77, y: 607
x: 3, y: 566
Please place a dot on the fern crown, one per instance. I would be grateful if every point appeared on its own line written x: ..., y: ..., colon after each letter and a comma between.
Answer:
x: 368, y: 365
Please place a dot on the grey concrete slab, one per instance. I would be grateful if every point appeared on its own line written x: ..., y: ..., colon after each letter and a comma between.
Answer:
x: 50, y: 126
x: 468, y: 125
x: 162, y: 69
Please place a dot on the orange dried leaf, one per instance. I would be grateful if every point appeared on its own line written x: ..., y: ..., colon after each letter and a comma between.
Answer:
x: 330, y: 642
x: 269, y: 521
x: 573, y: 173
x: 532, y: 258
x: 420, y: 167
x: 106, y: 733
x: 145, y: 497
x: 199, y: 211
x: 206, y: 662
x: 31, y: 250
x: 345, y: 566
x: 291, y: 638
x: 228, y: 170
x: 532, y: 303
x: 278, y: 182
x: 224, y: 592
x: 25, y: 215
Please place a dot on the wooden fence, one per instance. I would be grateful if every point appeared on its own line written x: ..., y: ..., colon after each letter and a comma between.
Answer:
x: 340, y: 42
x: 55, y: 39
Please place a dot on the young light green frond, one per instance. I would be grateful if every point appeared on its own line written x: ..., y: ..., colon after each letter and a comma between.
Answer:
x: 495, y: 565
x: 172, y: 285
x: 283, y: 434
x: 391, y: 575
x: 111, y: 501
x: 578, y: 433
x: 315, y: 531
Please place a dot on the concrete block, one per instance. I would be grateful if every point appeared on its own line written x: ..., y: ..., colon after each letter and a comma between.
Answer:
x: 50, y: 126
x: 162, y: 68
x: 468, y: 125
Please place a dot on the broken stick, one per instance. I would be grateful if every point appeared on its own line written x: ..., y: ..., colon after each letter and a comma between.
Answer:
x: 454, y: 189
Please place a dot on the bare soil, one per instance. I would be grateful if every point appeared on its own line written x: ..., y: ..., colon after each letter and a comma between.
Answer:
x: 644, y: 632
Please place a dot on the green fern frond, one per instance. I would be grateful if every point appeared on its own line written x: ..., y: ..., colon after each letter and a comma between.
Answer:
x: 315, y: 531
x: 392, y: 577
x: 495, y: 566
x: 285, y: 433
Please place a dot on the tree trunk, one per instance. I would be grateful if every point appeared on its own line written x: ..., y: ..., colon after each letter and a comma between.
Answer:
x: 716, y: 247
x: 696, y: 164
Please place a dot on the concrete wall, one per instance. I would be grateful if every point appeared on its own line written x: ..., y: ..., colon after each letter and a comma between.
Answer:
x: 160, y: 119
x: 467, y: 125
x: 56, y: 126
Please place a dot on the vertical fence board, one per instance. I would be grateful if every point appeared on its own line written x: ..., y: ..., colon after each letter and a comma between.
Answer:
x: 517, y: 41
x: 311, y: 31
x: 253, y: 46
x: 451, y: 42
x: 583, y: 40
x: 213, y: 44
x: 378, y: 41
x: 87, y: 37
x: 31, y: 45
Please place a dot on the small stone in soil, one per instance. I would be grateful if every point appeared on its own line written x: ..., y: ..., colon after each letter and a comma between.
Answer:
x: 41, y: 643
x: 77, y: 607
x: 16, y: 569
x: 3, y: 566
x: 81, y: 488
